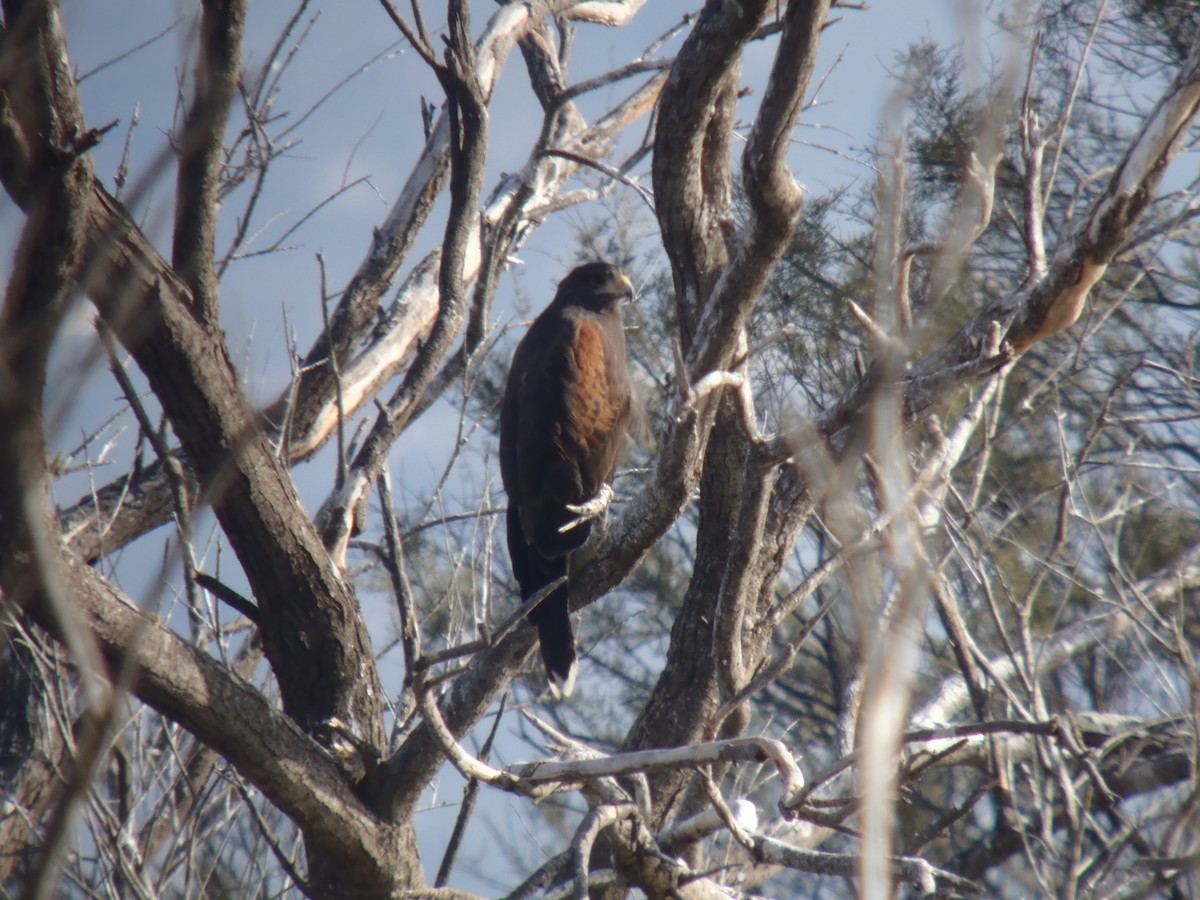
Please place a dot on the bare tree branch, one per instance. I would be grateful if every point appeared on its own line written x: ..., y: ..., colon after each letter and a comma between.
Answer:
x: 201, y: 146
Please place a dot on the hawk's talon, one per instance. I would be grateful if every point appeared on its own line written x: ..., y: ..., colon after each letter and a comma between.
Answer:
x: 589, y: 509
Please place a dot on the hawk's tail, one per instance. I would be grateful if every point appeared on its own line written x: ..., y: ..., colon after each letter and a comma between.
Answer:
x: 553, y: 621
x: 551, y: 616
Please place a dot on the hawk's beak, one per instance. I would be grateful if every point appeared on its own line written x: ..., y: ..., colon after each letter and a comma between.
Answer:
x: 625, y: 286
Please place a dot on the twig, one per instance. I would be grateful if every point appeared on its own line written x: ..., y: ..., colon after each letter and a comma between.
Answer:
x: 171, y: 465
x: 511, y: 622
x: 1072, y: 95
x: 228, y: 596
x: 470, y: 795
x: 278, y: 244
x: 542, y: 877
x: 634, y: 68
x: 410, y: 633
x: 286, y: 862
x: 912, y: 869
x: 342, y: 461
x: 734, y: 750
x: 468, y: 766
x: 606, y: 169
x: 1033, y: 148
x: 1066, y: 733
x: 879, y: 338
x: 80, y: 79
x: 726, y: 815
x: 768, y: 675
x: 416, y: 39
x: 123, y: 167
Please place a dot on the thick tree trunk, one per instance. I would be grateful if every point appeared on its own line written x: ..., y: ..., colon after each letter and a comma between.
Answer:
x: 34, y: 756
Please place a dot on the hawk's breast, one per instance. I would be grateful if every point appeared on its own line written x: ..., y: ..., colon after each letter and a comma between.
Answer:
x: 592, y: 408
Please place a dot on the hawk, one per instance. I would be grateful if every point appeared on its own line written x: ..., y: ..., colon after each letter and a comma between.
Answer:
x: 564, y: 423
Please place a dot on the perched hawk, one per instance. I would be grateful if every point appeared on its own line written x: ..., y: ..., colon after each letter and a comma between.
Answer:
x: 563, y: 425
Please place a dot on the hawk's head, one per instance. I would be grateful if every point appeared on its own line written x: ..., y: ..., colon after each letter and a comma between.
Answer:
x: 596, y: 286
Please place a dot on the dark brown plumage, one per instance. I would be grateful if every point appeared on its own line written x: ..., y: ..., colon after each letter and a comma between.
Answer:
x: 563, y: 425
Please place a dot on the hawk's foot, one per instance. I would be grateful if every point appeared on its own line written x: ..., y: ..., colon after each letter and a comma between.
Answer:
x: 589, y: 509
